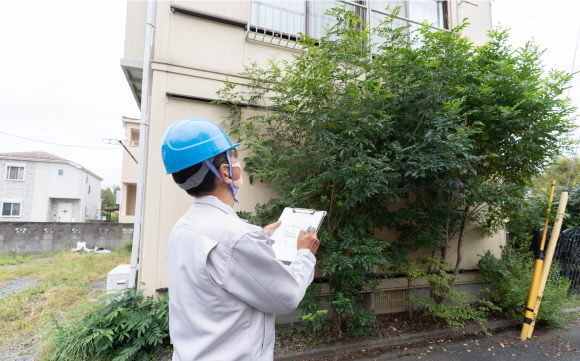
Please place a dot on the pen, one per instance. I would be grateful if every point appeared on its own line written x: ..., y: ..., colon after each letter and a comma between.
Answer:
x: 309, y: 229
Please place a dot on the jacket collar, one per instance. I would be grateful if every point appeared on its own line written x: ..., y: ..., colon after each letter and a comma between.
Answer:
x: 213, y: 201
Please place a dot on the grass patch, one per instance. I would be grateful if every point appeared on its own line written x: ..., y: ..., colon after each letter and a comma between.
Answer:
x: 63, y: 281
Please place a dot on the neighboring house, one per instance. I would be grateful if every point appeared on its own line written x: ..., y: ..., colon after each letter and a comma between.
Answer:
x: 129, y: 172
x: 41, y: 187
x: 196, y: 46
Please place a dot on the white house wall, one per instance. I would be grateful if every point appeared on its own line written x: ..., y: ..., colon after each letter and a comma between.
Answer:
x: 41, y: 202
x: 66, y: 185
x: 18, y: 190
x: 93, y: 200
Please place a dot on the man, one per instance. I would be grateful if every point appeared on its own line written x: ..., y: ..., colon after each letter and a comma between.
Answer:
x: 225, y: 285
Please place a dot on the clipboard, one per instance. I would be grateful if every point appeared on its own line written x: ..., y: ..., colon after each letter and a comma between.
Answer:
x: 294, y: 220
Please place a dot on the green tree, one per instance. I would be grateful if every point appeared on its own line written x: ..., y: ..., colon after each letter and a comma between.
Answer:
x: 562, y: 169
x: 109, y: 197
x: 419, y: 137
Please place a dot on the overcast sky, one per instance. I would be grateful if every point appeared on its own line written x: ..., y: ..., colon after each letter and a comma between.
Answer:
x: 62, y: 82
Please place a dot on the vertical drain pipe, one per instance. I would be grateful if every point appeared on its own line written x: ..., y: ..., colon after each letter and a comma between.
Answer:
x: 144, y: 123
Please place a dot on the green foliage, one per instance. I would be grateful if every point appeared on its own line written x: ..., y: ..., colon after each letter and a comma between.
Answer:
x: 358, y: 320
x: 446, y: 302
x: 510, y: 277
x: 13, y: 252
x: 109, y: 197
x: 128, y: 246
x: 118, y: 327
x: 562, y: 170
x: 316, y: 319
x: 449, y: 132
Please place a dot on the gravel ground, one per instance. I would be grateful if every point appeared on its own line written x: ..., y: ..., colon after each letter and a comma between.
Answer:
x: 25, y: 351
x: 17, y: 284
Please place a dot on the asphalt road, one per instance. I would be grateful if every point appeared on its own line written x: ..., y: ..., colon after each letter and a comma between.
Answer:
x: 547, y: 343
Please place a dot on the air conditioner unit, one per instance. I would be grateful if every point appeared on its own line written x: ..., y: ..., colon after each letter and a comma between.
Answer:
x: 118, y: 278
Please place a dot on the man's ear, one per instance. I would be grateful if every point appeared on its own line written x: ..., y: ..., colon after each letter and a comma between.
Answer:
x: 225, y: 173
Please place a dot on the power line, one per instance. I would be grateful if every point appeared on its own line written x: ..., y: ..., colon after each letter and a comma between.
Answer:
x: 538, y: 13
x: 62, y: 145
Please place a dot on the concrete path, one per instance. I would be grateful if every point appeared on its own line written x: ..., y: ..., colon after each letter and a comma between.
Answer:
x: 547, y: 343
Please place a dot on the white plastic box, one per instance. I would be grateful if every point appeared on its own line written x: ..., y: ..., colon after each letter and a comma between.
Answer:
x: 118, y: 278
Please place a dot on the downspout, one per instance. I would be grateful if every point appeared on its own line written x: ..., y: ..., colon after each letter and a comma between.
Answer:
x: 144, y: 123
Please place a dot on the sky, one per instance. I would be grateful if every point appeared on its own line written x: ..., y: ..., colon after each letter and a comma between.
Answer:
x: 62, y: 82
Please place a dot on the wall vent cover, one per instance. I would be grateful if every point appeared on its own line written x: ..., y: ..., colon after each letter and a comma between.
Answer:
x: 393, y: 302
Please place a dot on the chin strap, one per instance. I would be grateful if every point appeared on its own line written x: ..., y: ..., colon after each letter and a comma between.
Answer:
x: 217, y: 174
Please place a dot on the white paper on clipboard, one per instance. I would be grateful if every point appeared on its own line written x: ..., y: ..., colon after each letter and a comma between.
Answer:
x: 286, y: 235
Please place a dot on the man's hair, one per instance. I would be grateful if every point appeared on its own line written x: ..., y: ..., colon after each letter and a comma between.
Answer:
x: 207, y: 185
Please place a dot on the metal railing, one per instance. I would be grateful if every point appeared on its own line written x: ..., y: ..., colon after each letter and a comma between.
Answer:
x: 279, y: 22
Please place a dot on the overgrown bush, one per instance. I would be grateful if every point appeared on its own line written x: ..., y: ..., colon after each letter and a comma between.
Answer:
x: 509, y: 279
x: 128, y: 246
x: 118, y: 327
x: 364, y: 119
x: 445, y: 301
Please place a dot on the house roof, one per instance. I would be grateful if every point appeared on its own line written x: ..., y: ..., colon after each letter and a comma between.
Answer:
x: 44, y: 156
x: 33, y: 155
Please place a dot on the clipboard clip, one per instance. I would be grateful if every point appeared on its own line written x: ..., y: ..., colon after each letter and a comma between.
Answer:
x: 307, y: 211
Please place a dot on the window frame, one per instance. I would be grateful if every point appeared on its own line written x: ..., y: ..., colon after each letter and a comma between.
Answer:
x: 359, y: 9
x: 11, y: 202
x: 89, y: 189
x: 15, y: 165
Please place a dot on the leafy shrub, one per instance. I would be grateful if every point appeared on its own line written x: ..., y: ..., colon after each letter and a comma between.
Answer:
x: 358, y: 320
x: 128, y: 246
x: 119, y: 326
x: 510, y: 277
x: 13, y: 252
x: 446, y: 302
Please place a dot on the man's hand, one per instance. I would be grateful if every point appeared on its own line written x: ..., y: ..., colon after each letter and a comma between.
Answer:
x: 270, y: 228
x: 308, y: 240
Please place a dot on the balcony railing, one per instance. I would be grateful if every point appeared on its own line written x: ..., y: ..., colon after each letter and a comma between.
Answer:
x: 279, y: 22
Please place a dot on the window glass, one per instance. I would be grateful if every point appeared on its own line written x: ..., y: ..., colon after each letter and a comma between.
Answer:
x: 87, y: 182
x: 287, y: 17
x: 86, y: 211
x: 15, y: 173
x: 11, y: 209
x: 89, y: 189
x: 389, y: 6
x: 317, y: 21
x: 60, y: 172
x: 432, y: 11
x: 6, y: 209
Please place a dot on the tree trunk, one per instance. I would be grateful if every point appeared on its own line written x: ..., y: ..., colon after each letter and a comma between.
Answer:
x: 460, y: 240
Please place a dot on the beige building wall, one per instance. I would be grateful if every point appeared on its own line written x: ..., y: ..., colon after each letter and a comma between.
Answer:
x: 193, y: 56
x: 129, y: 172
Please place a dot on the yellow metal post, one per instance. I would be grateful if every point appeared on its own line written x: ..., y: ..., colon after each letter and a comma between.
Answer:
x: 549, y: 256
x: 529, y: 314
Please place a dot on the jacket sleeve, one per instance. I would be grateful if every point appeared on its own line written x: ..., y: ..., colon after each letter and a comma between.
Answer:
x: 257, y: 278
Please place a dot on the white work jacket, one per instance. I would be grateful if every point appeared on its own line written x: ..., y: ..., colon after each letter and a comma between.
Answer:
x: 225, y: 286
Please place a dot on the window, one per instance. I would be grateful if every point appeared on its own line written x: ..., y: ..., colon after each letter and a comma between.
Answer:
x: 14, y: 173
x: 86, y: 211
x: 87, y: 182
x: 283, y: 20
x: 89, y: 189
x: 60, y: 171
x: 11, y: 209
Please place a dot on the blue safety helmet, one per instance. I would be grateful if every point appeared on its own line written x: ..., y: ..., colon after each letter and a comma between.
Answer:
x: 190, y: 141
